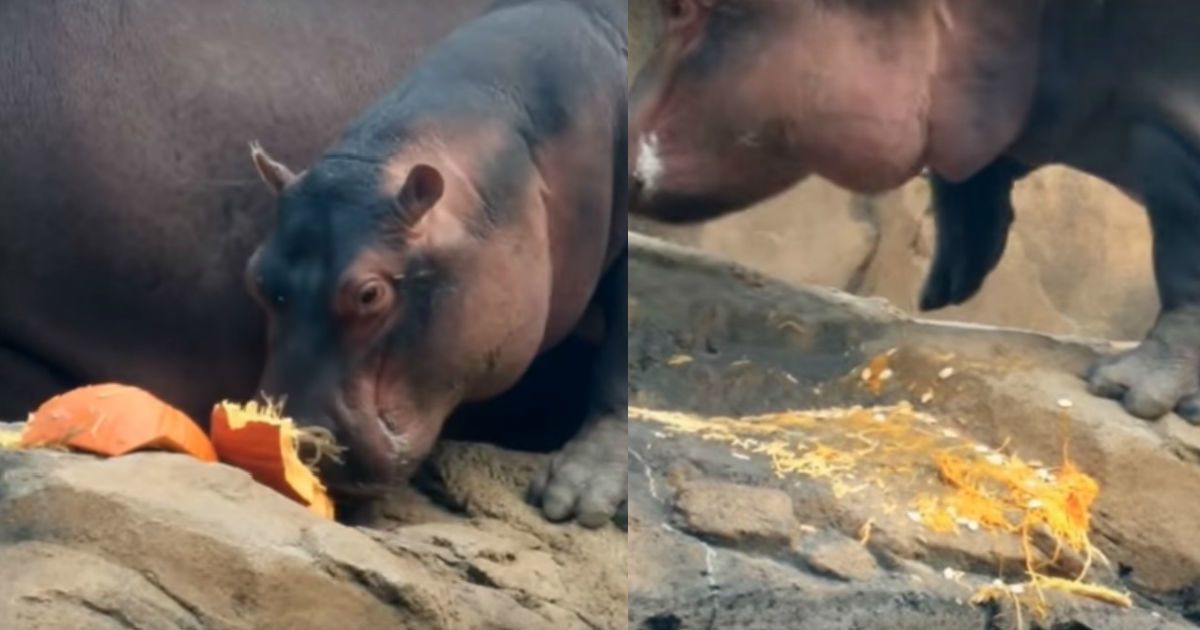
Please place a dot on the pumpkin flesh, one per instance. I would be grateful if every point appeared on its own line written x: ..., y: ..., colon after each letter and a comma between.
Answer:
x: 259, y: 440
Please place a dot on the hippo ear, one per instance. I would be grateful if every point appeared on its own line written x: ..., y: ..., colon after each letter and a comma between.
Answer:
x: 421, y: 191
x: 276, y: 175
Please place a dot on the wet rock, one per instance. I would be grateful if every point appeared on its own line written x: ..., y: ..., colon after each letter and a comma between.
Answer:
x: 163, y: 542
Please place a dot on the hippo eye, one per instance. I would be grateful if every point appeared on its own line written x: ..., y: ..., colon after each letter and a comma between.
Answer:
x: 370, y: 294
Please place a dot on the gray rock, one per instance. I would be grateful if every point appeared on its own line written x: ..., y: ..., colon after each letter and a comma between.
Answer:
x: 756, y: 346
x: 839, y: 557
x: 737, y: 516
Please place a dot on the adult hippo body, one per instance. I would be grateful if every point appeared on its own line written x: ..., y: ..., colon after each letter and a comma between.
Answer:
x: 127, y: 208
x: 130, y: 208
x: 743, y: 98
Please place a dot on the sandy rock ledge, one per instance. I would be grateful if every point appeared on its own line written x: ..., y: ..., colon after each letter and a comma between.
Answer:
x: 162, y: 542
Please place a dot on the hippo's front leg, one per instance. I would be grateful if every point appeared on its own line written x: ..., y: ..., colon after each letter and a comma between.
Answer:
x: 1163, y: 373
x: 588, y: 479
x: 972, y: 218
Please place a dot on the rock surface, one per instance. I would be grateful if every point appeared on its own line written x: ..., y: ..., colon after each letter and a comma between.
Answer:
x: 163, y: 542
x: 1077, y: 262
x: 732, y: 514
x: 715, y: 339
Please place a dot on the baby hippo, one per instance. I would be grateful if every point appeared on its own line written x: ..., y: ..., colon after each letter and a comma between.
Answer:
x: 460, y: 228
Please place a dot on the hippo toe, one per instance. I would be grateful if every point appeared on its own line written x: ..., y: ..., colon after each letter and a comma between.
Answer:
x: 588, y: 479
x: 1160, y: 375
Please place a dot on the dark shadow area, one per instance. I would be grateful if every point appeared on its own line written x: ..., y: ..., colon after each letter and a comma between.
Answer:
x: 540, y: 413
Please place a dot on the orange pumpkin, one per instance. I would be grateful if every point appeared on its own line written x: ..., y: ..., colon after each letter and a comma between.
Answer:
x: 114, y: 419
x: 259, y: 440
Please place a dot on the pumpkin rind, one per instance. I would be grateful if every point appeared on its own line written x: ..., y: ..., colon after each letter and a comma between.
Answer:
x: 112, y: 419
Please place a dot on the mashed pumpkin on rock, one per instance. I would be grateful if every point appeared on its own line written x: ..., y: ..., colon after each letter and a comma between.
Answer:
x: 933, y: 475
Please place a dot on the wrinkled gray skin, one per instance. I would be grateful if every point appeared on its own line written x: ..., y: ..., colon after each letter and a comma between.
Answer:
x: 743, y: 98
x: 128, y: 204
x: 453, y: 234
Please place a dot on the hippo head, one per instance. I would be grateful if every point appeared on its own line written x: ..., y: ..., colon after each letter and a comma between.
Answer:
x: 385, y: 308
x: 702, y: 146
x: 739, y: 99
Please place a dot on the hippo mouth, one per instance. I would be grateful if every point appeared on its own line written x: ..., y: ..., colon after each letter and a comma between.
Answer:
x: 386, y: 442
x: 377, y: 452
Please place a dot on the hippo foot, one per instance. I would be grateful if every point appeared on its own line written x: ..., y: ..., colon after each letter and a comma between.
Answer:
x: 972, y: 218
x: 589, y: 478
x: 956, y: 275
x: 1150, y: 380
x: 1189, y: 409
